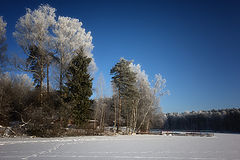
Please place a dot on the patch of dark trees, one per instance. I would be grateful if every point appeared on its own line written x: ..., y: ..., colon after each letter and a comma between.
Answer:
x: 222, y: 120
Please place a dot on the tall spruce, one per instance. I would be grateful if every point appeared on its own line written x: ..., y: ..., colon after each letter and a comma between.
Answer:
x: 78, y: 88
x: 125, y: 79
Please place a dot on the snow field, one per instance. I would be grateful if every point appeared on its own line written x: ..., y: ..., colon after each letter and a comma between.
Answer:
x: 219, y: 147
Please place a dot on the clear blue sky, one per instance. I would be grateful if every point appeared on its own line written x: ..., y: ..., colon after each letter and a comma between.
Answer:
x: 194, y: 44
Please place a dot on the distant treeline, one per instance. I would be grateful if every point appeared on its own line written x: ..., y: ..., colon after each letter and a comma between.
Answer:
x: 222, y: 120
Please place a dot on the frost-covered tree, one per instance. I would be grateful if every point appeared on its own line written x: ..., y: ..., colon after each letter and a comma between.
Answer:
x: 3, y: 45
x: 138, y: 101
x: 70, y: 37
x: 159, y: 89
x: 41, y: 37
x: 33, y: 35
x: 145, y: 95
x: 149, y: 97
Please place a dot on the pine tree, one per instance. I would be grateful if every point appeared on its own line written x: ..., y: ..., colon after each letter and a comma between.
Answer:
x: 79, y: 87
x: 125, y: 81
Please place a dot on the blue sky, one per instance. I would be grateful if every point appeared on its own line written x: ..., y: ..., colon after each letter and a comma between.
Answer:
x: 194, y: 44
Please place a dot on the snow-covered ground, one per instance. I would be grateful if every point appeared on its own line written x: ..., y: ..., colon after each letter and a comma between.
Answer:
x: 219, y: 147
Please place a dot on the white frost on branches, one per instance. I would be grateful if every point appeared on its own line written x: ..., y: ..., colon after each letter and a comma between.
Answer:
x: 20, y: 80
x: 33, y: 28
x: 160, y: 85
x: 25, y: 80
x: 2, y: 30
x: 141, y: 76
x: 64, y: 36
x: 149, y: 97
x: 151, y: 93
x: 6, y: 77
x: 69, y: 37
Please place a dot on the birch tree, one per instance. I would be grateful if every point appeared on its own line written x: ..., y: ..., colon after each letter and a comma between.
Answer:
x: 158, y: 90
x: 149, y: 97
x: 33, y: 35
x: 145, y: 103
x: 70, y: 37
x: 100, y: 101
x: 115, y: 99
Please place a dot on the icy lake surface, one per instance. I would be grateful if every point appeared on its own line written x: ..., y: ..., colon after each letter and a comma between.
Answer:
x: 219, y: 147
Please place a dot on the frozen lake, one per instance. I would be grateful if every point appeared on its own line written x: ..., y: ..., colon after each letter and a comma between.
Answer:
x: 219, y: 147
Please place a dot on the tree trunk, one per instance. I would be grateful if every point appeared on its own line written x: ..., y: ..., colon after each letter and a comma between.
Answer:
x: 148, y: 125
x: 41, y: 80
x: 115, y: 113
x: 47, y: 77
x: 103, y: 119
x: 61, y: 75
x: 134, y: 119
x: 127, y: 120
x: 136, y: 116
x: 102, y: 115
x: 144, y: 117
x: 119, y: 112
